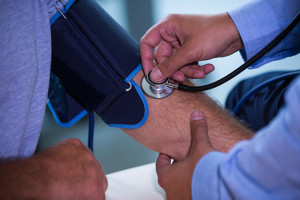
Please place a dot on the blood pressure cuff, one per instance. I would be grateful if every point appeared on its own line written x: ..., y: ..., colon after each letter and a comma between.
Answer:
x: 93, y: 63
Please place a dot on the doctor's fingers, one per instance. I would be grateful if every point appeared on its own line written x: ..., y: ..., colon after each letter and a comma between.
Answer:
x: 196, y: 71
x: 167, y: 30
x: 165, y: 49
x: 181, y: 57
x: 192, y: 70
x: 150, y: 41
x: 163, y: 167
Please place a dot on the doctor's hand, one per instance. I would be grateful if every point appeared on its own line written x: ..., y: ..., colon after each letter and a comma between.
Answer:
x: 176, y: 178
x: 183, y: 40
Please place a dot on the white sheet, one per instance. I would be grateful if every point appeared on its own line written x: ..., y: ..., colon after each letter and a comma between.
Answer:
x: 134, y: 184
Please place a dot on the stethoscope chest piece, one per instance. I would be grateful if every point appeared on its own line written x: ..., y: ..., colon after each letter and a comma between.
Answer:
x: 155, y: 90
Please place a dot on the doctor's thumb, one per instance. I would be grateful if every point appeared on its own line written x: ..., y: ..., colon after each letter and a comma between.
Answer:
x: 200, y: 141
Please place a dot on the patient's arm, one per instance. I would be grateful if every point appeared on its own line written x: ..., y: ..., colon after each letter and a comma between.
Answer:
x: 167, y: 129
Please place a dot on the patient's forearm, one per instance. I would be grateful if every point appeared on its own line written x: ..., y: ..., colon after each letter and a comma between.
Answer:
x: 167, y: 129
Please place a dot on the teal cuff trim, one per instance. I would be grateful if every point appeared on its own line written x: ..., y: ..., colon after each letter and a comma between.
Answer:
x: 133, y: 73
x: 67, y: 124
x: 142, y: 96
x: 146, y: 113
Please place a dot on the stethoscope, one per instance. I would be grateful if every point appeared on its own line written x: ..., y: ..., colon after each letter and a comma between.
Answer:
x: 165, y: 88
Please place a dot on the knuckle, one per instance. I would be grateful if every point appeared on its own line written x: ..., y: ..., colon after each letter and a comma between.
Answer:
x: 202, y: 123
x: 142, y: 40
x: 95, y: 190
x: 99, y: 165
x: 98, y: 182
x: 105, y: 183
x: 172, y: 17
x: 168, y: 67
x: 89, y: 157
x: 163, y: 181
x: 75, y: 141
x: 191, y: 54
x: 195, y: 125
x: 93, y: 171
x: 171, y: 21
x: 198, y: 123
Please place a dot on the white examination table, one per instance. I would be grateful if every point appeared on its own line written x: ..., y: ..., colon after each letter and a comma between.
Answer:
x: 139, y: 183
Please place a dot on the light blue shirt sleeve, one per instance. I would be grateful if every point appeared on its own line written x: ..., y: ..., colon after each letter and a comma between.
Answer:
x: 260, y: 21
x: 267, y: 166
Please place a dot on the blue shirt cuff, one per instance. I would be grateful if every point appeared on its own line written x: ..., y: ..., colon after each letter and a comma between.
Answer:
x: 256, y: 28
x: 205, y: 170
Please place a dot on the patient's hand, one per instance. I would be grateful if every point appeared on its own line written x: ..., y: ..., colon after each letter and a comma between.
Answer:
x: 167, y: 129
x: 67, y: 170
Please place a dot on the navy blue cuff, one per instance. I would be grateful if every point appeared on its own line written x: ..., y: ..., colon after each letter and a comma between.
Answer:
x: 95, y: 61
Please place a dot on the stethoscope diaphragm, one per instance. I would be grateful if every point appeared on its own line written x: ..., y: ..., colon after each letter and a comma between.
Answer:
x: 154, y: 89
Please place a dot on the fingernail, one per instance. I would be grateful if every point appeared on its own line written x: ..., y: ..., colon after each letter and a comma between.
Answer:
x: 209, y: 69
x: 197, y: 115
x: 156, y: 74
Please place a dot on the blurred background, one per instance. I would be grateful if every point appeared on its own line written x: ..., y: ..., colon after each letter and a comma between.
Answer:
x: 112, y: 147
